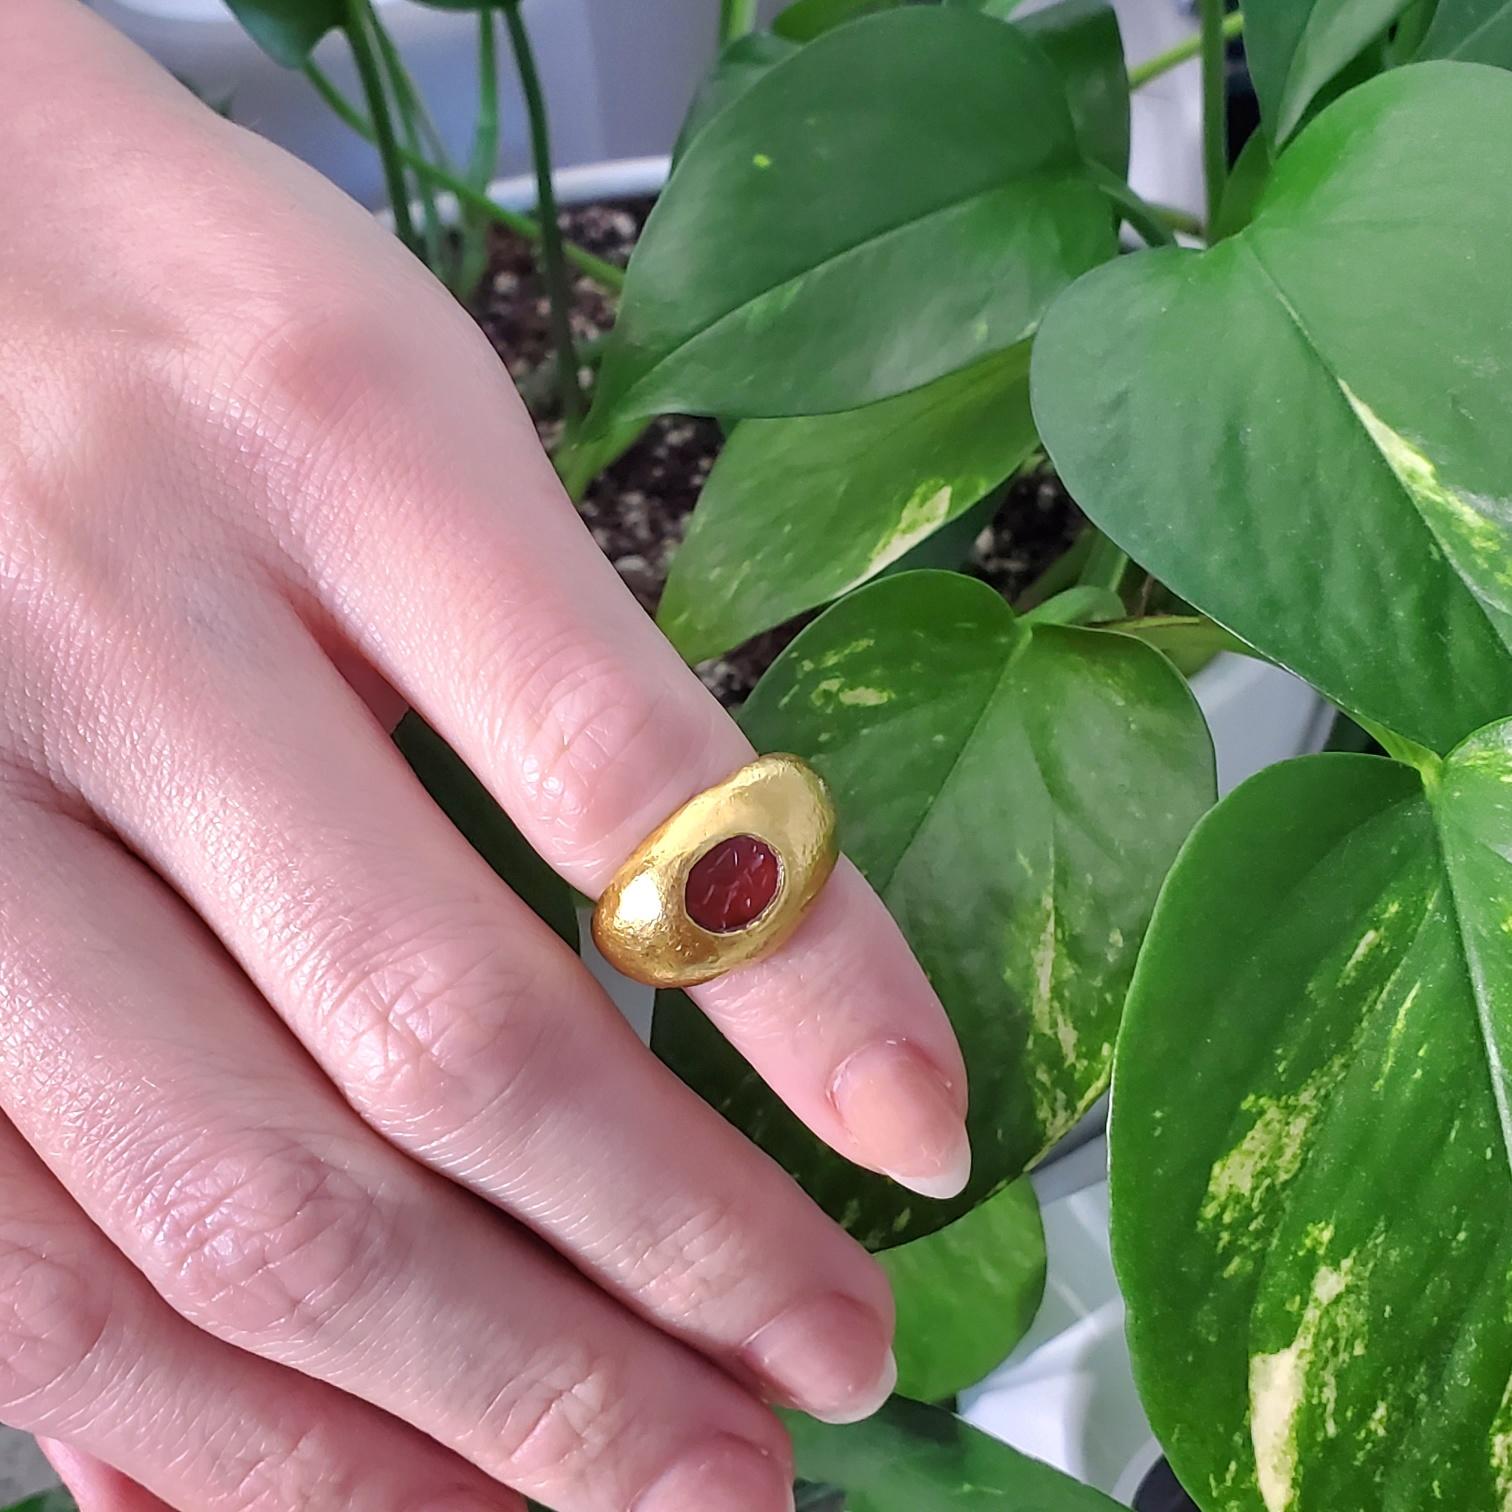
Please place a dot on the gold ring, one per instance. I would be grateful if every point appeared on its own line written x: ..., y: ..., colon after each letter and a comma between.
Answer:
x: 724, y: 881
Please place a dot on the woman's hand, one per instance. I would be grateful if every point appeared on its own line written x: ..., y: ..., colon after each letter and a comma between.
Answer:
x: 330, y: 1180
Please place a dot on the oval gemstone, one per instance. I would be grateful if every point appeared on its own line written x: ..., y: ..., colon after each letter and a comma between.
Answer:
x: 732, y: 884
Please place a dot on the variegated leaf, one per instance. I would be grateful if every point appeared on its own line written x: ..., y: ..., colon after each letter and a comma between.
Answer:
x: 1307, y: 430
x: 1312, y: 1194
x: 1015, y: 792
x: 798, y: 512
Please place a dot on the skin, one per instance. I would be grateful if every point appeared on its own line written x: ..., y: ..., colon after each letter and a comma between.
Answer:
x: 328, y: 1178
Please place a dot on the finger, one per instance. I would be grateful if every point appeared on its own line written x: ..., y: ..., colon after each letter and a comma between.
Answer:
x: 195, y: 1133
x: 433, y: 530
x: 463, y: 1030
x: 90, y: 1354
x: 94, y: 1485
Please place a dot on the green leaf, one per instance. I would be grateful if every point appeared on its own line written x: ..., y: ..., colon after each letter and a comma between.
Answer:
x: 57, y: 1500
x: 967, y: 1294
x: 737, y: 68
x: 777, y: 279
x: 288, y: 30
x: 797, y: 512
x: 1015, y: 793
x: 1310, y: 1168
x: 804, y: 20
x: 913, y: 1458
x: 1307, y: 431
x: 486, y: 827
x: 1297, y: 47
x: 1475, y: 31
x: 1082, y: 40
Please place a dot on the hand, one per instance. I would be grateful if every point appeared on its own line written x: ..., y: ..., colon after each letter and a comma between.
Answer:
x: 330, y: 1180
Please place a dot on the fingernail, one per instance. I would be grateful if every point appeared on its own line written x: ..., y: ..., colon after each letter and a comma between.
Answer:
x: 828, y: 1356
x: 905, y: 1116
x: 727, y: 1474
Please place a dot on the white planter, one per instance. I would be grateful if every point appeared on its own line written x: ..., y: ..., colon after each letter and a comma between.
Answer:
x: 201, y: 42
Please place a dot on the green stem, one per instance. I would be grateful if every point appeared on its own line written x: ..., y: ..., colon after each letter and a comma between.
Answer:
x: 485, y: 147
x: 1214, y: 103
x: 1179, y: 220
x: 1105, y: 566
x: 558, y: 285
x: 407, y: 93
x: 1183, y: 52
x: 410, y: 109
x: 602, y: 272
x: 736, y: 18
x: 472, y: 260
x: 1154, y: 227
x: 359, y: 12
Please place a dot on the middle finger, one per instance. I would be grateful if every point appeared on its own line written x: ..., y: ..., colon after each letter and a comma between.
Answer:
x: 463, y: 1030
x: 188, y: 1125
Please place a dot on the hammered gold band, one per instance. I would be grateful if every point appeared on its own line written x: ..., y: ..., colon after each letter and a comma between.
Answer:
x: 723, y: 882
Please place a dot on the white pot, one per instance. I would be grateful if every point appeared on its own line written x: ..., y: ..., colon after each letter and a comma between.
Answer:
x: 201, y: 42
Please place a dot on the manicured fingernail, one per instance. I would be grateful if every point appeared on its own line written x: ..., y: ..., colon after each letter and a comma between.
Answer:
x: 905, y: 1116
x: 727, y: 1474
x: 828, y: 1356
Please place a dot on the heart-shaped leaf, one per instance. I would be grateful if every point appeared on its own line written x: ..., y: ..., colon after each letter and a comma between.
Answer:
x: 853, y: 226
x: 797, y: 512
x: 1307, y: 431
x: 287, y: 30
x: 913, y: 1458
x: 1296, y: 48
x: 1311, y: 1190
x: 967, y: 1294
x: 1015, y: 793
x: 1476, y: 31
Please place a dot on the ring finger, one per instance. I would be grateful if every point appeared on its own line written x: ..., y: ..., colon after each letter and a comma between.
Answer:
x: 191, y: 1129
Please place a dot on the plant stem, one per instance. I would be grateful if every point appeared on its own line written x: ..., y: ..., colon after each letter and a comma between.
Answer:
x: 409, y: 108
x: 1163, y: 63
x: 558, y: 285
x: 485, y: 147
x: 472, y: 260
x: 1179, y: 220
x: 407, y: 93
x: 736, y: 18
x: 1214, y: 103
x: 359, y: 12
x: 1105, y: 566
x: 1151, y: 224
x: 602, y: 272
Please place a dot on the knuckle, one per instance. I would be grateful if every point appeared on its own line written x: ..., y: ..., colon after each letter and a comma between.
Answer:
x: 54, y: 1314
x: 435, y: 1025
x: 546, y: 1428
x: 261, y: 1239
x: 582, y: 738
x: 698, y: 1262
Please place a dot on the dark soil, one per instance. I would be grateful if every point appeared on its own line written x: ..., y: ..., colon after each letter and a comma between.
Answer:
x: 638, y: 509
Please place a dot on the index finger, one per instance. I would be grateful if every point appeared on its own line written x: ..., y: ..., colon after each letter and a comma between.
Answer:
x: 438, y: 538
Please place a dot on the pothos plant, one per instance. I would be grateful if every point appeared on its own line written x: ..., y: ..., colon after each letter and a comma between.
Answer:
x: 888, y: 260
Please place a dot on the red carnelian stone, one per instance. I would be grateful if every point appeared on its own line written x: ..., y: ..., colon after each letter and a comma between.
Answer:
x: 732, y: 884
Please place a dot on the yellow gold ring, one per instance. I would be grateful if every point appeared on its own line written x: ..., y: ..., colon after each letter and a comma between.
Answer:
x: 723, y: 882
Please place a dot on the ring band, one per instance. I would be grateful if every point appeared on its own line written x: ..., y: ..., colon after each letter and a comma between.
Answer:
x: 725, y: 881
